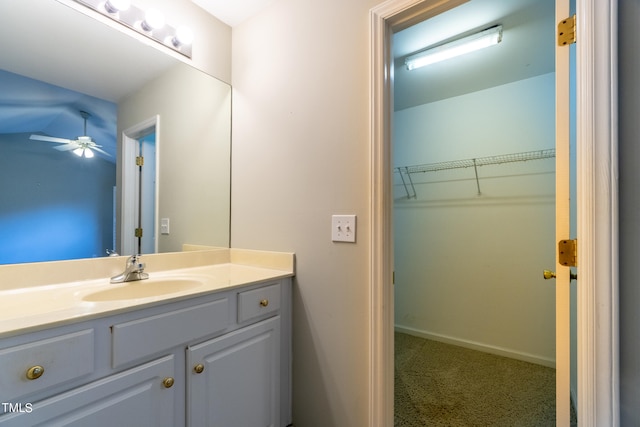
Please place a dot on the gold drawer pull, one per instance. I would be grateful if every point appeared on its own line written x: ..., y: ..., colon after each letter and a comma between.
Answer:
x: 168, y: 382
x: 35, y: 372
x: 199, y: 368
x: 264, y: 302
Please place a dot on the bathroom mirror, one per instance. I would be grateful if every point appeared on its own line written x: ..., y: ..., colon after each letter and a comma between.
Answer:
x: 91, y: 79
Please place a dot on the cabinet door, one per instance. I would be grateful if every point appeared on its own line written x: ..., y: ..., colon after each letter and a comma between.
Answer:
x: 136, y: 397
x: 239, y: 385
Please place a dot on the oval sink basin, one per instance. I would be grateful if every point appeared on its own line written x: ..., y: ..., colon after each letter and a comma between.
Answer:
x: 143, y: 289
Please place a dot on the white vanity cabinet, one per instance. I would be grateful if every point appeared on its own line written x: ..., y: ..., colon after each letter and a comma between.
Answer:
x: 235, y: 378
x: 219, y: 359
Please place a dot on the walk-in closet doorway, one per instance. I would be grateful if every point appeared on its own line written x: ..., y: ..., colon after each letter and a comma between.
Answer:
x: 474, y: 212
x: 597, y: 207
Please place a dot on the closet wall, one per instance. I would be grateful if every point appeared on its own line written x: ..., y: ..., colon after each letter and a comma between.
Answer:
x: 468, y: 266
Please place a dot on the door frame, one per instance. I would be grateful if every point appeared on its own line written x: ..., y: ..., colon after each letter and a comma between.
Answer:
x: 130, y: 185
x: 597, y: 206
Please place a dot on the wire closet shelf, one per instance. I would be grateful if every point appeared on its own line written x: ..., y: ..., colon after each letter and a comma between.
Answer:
x: 406, y: 171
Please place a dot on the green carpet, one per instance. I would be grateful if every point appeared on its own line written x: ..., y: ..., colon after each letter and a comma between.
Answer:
x: 438, y: 384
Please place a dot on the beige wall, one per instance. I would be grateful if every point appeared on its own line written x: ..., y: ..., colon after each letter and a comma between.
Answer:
x: 301, y: 154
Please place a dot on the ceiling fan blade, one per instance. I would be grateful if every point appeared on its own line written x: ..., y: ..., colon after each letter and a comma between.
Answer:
x: 95, y: 147
x: 50, y: 139
x: 67, y: 147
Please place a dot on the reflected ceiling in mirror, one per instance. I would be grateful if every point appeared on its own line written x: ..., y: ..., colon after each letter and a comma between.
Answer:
x: 79, y: 64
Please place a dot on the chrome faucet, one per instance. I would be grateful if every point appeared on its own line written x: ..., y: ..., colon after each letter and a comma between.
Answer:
x: 134, y: 270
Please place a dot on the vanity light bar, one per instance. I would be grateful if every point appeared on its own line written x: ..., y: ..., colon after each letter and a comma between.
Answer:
x: 149, y: 23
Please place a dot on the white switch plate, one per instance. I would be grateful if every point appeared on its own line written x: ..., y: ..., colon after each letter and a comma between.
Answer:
x: 343, y: 228
x: 164, y: 226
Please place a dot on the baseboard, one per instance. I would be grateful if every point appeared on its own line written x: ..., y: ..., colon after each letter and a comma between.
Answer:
x: 473, y: 345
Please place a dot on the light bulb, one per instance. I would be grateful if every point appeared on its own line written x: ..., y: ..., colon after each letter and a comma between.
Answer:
x: 183, y: 36
x: 78, y: 151
x: 115, y: 6
x: 153, y: 20
x: 88, y: 153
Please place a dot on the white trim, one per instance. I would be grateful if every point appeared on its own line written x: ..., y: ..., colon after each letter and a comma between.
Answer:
x: 598, y: 378
x: 597, y: 198
x: 381, y: 305
x: 475, y: 345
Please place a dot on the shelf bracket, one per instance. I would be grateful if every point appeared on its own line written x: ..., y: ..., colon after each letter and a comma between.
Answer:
x: 475, y: 168
x: 410, y: 194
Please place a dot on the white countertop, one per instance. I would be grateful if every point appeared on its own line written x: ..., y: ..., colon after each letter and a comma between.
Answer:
x: 36, y: 305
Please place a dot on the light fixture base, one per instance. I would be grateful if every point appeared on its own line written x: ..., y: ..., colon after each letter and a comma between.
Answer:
x: 132, y: 18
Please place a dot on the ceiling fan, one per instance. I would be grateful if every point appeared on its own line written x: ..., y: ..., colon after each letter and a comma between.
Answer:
x: 82, y: 146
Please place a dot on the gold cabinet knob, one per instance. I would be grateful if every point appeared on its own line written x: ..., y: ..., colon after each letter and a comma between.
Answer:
x: 199, y: 368
x: 35, y: 372
x: 264, y: 302
x: 168, y: 382
x: 548, y: 274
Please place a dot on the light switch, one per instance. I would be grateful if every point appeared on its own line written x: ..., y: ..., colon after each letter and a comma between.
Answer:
x: 164, y: 226
x: 343, y: 228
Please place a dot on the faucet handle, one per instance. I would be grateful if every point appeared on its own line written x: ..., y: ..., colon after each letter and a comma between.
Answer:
x: 136, y: 263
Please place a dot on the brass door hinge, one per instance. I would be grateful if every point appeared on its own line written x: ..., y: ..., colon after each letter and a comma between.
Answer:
x: 568, y: 253
x: 138, y: 232
x: 139, y: 161
x: 567, y: 31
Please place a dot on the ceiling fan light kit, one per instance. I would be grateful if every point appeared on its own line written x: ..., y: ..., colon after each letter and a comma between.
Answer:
x: 86, y: 152
x: 485, y: 38
x: 149, y: 23
x: 81, y: 146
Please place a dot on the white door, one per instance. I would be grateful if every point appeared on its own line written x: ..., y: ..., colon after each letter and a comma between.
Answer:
x: 139, y: 198
x: 563, y: 220
x: 148, y: 244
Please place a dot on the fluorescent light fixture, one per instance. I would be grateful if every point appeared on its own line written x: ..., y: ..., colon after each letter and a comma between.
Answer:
x: 477, y: 41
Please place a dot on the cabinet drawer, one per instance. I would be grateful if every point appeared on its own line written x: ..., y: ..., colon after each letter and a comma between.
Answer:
x: 57, y: 360
x: 151, y: 335
x: 258, y: 302
x: 137, y: 397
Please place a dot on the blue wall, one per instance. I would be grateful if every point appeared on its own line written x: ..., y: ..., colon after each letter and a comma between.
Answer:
x: 53, y: 205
